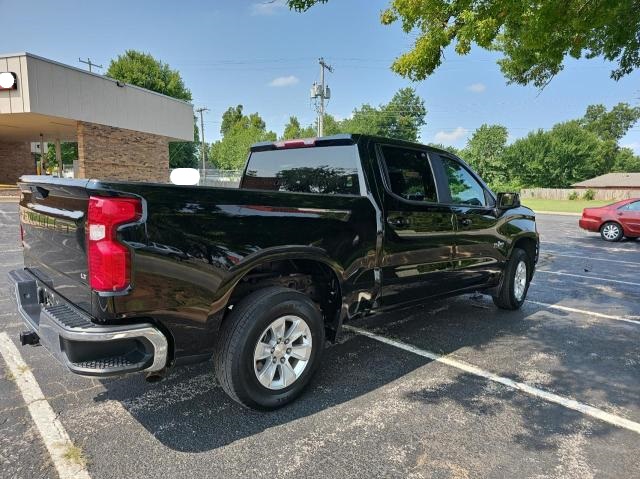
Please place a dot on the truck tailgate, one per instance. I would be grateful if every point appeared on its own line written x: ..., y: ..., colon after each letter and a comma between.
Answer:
x: 53, y: 224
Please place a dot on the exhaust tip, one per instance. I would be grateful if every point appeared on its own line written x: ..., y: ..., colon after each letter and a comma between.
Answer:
x: 30, y: 338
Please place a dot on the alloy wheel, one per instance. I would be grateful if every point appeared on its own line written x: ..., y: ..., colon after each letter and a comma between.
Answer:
x: 282, y: 352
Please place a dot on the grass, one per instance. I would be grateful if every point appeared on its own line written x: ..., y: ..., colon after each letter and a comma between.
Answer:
x: 562, y: 206
x: 75, y: 455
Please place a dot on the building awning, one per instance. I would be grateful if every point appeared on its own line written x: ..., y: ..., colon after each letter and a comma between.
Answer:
x: 49, y: 98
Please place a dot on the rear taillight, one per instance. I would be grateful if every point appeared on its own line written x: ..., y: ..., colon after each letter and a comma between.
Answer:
x: 109, y: 260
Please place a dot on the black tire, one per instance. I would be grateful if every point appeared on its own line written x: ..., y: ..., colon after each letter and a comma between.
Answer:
x: 613, y: 227
x: 506, y: 297
x: 240, y: 333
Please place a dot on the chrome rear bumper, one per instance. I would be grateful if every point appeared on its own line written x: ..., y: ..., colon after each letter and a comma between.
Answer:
x: 84, y: 347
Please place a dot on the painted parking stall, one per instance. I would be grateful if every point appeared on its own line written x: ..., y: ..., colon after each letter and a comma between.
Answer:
x: 548, y: 390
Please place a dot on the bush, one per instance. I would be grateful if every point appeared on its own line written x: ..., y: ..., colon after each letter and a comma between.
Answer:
x: 573, y: 196
x: 589, y: 195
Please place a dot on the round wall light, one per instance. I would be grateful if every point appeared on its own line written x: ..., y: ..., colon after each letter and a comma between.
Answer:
x: 8, y: 81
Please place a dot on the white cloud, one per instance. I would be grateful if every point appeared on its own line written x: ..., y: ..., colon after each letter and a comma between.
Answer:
x: 451, y: 136
x: 284, y: 81
x: 477, y: 87
x: 267, y: 7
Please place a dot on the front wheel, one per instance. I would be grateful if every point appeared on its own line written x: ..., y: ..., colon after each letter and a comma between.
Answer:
x: 269, y: 348
x: 515, y: 282
x: 611, y: 231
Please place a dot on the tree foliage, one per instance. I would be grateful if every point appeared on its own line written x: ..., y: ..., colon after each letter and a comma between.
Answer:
x: 184, y: 154
x: 535, y: 38
x: 293, y: 130
x: 611, y: 125
x: 239, y: 132
x: 401, y: 118
x: 143, y: 70
x: 68, y: 150
x: 485, y: 150
x: 569, y: 152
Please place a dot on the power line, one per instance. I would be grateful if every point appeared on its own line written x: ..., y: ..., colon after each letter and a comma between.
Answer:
x: 90, y: 63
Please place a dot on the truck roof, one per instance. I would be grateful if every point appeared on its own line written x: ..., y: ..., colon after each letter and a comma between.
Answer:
x: 335, y: 140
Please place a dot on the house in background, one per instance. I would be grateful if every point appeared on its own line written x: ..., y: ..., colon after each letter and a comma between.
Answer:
x: 611, y: 181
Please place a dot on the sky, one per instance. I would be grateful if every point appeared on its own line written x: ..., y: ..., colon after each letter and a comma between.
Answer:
x: 265, y: 57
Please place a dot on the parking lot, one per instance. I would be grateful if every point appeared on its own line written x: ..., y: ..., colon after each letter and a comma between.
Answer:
x: 458, y: 389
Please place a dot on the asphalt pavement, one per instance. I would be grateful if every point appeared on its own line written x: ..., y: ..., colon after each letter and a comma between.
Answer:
x: 455, y: 389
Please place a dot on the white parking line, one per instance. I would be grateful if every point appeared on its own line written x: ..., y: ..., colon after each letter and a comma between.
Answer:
x: 607, y: 249
x: 11, y: 251
x: 53, y: 434
x: 627, y: 319
x: 597, y: 278
x: 553, y: 253
x: 532, y: 391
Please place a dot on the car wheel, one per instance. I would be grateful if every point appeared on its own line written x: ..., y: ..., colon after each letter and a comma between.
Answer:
x: 515, y: 281
x: 269, y: 348
x: 611, y: 231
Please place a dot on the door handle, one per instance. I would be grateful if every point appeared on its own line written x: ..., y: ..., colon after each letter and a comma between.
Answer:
x: 466, y: 222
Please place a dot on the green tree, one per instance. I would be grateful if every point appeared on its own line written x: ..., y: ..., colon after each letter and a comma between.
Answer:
x: 450, y: 149
x: 239, y: 132
x: 611, y: 125
x: 143, y: 70
x: 534, y: 37
x: 485, y: 152
x: 184, y: 154
x: 566, y: 154
x: 401, y: 118
x: 626, y: 161
x: 293, y: 130
x: 68, y: 150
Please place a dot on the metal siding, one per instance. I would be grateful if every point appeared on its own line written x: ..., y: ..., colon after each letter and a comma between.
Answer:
x: 5, y: 96
x: 65, y: 92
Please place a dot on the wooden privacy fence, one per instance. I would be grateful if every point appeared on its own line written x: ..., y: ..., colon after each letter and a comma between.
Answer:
x: 564, y: 193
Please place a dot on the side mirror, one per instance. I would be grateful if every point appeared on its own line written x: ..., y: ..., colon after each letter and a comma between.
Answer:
x: 507, y: 201
x: 185, y: 176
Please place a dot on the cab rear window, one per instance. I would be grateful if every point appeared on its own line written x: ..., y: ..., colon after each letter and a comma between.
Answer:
x: 324, y: 170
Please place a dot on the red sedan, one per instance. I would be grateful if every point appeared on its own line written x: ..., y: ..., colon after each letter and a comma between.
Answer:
x: 614, y: 221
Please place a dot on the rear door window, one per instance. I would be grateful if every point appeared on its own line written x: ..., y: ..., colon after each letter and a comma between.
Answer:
x: 635, y: 206
x: 409, y: 173
x: 322, y: 170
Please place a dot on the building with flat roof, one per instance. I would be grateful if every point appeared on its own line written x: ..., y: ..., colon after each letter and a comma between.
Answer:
x: 123, y: 131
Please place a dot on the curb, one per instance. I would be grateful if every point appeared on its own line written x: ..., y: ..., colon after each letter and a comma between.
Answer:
x: 560, y: 213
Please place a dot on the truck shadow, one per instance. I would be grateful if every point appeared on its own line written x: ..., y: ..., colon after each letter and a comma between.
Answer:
x: 189, y: 412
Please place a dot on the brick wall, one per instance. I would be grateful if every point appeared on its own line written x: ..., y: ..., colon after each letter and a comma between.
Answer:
x: 106, y: 152
x: 15, y: 160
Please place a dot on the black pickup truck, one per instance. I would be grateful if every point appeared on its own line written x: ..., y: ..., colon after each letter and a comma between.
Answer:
x: 122, y: 277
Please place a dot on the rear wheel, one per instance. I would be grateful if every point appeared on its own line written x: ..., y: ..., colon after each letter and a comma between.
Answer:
x: 611, y: 231
x: 515, y: 283
x: 269, y: 348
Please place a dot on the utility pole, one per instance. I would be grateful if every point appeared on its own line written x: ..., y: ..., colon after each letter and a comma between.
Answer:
x: 321, y: 93
x: 90, y: 63
x: 201, y: 110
